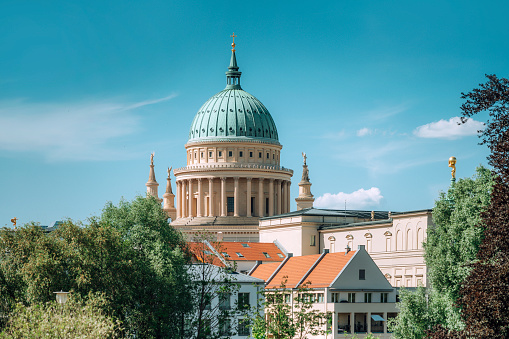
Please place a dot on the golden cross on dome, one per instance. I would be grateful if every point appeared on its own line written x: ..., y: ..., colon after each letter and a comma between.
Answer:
x: 233, y: 43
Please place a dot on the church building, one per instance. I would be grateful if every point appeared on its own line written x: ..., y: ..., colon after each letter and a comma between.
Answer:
x: 235, y: 188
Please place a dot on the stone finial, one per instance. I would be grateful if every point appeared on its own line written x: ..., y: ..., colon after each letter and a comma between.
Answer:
x: 305, y: 198
x: 152, y: 184
x: 169, y: 199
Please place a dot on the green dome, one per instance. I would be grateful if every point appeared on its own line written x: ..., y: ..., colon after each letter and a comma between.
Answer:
x: 233, y: 115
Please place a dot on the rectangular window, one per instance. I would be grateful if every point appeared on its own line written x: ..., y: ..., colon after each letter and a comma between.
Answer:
x: 243, y: 327
x: 266, y: 255
x: 280, y: 255
x: 243, y: 301
x: 230, y: 153
x: 210, y: 154
x: 319, y: 298
x: 267, y: 155
x: 252, y: 205
x: 367, y: 297
x: 250, y: 154
x: 220, y: 153
x: 239, y: 255
x: 259, y: 154
x: 224, y: 301
x: 351, y: 297
x: 288, y: 298
x: 266, y: 206
x: 272, y: 156
x: 201, y: 154
x: 362, y: 274
x: 241, y: 154
x: 230, y: 204
x: 224, y: 327
x: 313, y: 240
x: 226, y: 255
x: 384, y: 297
x: 245, y: 245
x: 207, y: 298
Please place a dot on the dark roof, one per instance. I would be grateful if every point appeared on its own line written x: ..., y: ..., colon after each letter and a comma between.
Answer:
x: 354, y: 224
x: 410, y: 212
x: 323, y: 212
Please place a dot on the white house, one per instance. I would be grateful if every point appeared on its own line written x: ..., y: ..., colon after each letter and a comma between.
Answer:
x: 347, y: 284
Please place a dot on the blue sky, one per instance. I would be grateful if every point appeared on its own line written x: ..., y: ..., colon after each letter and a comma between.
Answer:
x: 368, y: 89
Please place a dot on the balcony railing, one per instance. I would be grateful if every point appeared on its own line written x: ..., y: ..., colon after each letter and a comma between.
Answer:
x: 218, y: 166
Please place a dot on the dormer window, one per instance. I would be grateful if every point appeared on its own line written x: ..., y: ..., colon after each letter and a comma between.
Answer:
x: 245, y: 245
x: 239, y: 254
x: 266, y: 255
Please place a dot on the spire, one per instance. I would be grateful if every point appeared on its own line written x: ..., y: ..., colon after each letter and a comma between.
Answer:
x: 169, y: 199
x: 152, y: 183
x: 305, y: 198
x: 233, y: 74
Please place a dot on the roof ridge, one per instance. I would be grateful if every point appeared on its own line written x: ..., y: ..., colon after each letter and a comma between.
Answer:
x: 290, y: 255
x: 325, y: 252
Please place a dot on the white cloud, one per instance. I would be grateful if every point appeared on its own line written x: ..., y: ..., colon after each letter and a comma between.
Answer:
x: 359, y: 199
x: 449, y: 129
x: 71, y: 131
x: 363, y: 132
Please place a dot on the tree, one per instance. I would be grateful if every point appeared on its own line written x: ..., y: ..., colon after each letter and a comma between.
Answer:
x: 484, y: 295
x: 130, y: 254
x: 451, y: 244
x: 74, y: 319
x: 281, y: 321
x: 212, y: 288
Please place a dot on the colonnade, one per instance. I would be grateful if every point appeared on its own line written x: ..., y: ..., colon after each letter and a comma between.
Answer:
x: 191, y: 199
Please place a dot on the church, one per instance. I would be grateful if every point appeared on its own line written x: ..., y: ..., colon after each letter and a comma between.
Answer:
x: 235, y: 188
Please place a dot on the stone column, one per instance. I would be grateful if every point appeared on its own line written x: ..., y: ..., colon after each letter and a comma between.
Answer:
x: 183, y: 200
x: 179, y: 212
x: 223, y: 196
x: 368, y: 320
x: 283, y: 196
x: 200, y: 199
x: 385, y: 322
x: 279, y: 198
x: 261, y: 204
x: 352, y: 322
x: 236, y: 197
x: 211, y: 197
x: 288, y: 184
x: 271, y: 197
x: 248, y: 196
x: 190, y: 197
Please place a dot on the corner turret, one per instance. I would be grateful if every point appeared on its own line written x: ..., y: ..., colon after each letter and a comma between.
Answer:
x: 152, y: 184
x: 169, y: 199
x: 305, y: 198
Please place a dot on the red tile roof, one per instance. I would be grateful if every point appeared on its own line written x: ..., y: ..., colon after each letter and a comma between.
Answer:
x: 295, y: 268
x: 328, y: 269
x: 264, y: 271
x: 202, y: 253
x: 250, y: 251
x: 293, y: 271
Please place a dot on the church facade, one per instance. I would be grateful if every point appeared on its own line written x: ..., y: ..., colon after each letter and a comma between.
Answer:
x: 234, y: 187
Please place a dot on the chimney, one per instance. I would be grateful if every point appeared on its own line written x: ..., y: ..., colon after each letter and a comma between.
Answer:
x: 219, y: 236
x: 348, y: 249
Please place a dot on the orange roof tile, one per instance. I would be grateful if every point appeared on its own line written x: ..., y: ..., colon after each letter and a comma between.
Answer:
x: 294, y: 270
x: 264, y: 271
x: 202, y: 253
x: 255, y: 251
x: 328, y: 268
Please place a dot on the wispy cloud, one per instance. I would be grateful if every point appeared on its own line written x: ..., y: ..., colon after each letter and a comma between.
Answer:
x: 359, y: 199
x: 364, y: 131
x: 383, y: 113
x: 70, y: 131
x: 449, y: 129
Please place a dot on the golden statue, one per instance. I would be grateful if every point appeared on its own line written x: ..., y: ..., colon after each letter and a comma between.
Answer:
x: 169, y: 171
x: 14, y: 221
x: 452, y: 164
x: 152, y: 158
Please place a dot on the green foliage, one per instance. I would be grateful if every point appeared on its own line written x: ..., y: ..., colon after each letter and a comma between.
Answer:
x: 281, y: 322
x: 451, y: 245
x: 130, y: 254
x: 454, y: 241
x: 74, y: 319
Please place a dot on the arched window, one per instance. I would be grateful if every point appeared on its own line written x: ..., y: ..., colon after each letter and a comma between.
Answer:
x: 399, y: 240
x: 420, y: 238
x: 388, y: 236
x: 409, y: 240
